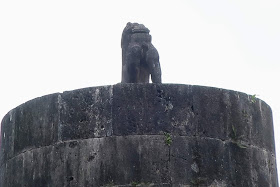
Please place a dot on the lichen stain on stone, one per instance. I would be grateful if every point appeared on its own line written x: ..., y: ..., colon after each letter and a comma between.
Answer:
x: 10, y: 115
x: 195, y: 167
x: 216, y: 183
x: 168, y: 106
x: 97, y: 98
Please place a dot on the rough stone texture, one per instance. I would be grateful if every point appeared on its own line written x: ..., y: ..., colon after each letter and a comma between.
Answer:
x: 139, y: 135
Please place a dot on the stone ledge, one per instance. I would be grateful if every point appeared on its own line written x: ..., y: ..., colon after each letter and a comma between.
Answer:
x: 241, y: 145
x: 145, y: 159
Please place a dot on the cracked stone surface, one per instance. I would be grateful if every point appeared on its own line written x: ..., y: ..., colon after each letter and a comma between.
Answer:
x: 117, y: 136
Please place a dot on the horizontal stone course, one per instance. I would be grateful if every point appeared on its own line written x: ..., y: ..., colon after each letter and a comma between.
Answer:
x: 120, y: 160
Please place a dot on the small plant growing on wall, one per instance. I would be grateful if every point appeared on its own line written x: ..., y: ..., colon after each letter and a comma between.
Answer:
x: 235, y: 138
x: 168, y: 139
x: 254, y: 98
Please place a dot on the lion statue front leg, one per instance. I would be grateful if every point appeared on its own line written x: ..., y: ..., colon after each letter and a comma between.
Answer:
x: 132, y: 69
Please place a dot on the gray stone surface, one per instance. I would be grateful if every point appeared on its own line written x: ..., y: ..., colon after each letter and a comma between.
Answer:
x: 139, y: 135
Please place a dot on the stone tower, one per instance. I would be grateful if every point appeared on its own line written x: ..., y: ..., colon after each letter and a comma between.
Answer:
x: 139, y: 135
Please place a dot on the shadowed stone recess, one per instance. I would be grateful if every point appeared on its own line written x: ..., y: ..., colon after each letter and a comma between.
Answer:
x: 139, y: 135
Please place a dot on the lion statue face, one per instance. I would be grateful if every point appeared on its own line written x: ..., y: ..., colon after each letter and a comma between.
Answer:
x: 130, y: 29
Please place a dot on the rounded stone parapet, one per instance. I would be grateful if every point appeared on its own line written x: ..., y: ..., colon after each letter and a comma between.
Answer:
x: 139, y: 135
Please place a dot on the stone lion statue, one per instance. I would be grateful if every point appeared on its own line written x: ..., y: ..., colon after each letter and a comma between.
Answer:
x: 140, y: 59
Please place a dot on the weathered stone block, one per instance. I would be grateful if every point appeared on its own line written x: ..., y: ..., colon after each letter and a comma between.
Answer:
x: 30, y: 125
x: 36, y: 123
x: 85, y: 113
x: 170, y: 106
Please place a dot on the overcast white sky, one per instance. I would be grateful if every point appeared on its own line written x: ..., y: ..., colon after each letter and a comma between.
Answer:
x: 58, y: 45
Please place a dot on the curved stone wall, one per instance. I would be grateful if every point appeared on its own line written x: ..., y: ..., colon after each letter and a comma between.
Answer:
x: 139, y: 135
